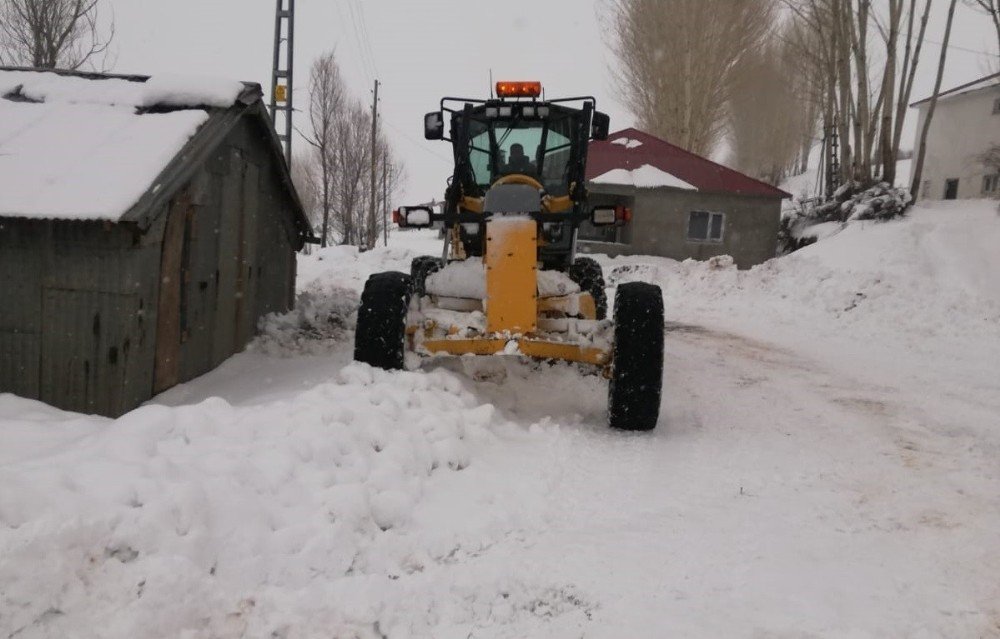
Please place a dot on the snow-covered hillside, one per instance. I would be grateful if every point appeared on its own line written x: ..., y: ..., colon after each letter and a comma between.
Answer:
x: 826, y: 466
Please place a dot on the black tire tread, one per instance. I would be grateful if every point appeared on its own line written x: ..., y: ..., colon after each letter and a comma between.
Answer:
x: 637, y: 368
x: 380, y: 337
x: 420, y: 268
x: 587, y: 273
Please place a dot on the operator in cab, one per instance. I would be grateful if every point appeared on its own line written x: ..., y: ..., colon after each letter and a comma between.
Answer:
x: 519, y: 162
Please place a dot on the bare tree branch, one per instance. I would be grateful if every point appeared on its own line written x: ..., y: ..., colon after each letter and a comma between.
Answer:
x: 53, y: 34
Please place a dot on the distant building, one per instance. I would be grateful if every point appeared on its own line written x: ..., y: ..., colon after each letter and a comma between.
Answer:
x: 966, y: 123
x: 683, y: 205
x: 146, y: 224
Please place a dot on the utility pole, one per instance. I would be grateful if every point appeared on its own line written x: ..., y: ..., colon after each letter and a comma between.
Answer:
x: 281, y: 78
x: 372, y: 218
x: 385, y: 200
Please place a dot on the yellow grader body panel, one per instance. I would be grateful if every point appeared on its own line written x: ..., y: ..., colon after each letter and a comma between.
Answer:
x: 511, y: 275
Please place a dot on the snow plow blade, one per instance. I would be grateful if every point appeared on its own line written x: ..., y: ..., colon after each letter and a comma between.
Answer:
x: 539, y: 349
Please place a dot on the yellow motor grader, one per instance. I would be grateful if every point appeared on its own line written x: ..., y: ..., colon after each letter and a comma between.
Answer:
x: 508, y: 281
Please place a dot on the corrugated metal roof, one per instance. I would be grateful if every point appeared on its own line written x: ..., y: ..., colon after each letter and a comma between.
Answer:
x: 631, y: 149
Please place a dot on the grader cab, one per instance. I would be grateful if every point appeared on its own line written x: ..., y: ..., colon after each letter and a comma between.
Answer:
x: 508, y: 281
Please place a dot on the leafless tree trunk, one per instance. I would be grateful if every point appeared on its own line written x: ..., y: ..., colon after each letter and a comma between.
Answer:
x: 53, y: 34
x: 678, y: 60
x: 772, y: 111
x: 862, y: 95
x: 911, y: 59
x: 918, y: 166
x: 326, y: 101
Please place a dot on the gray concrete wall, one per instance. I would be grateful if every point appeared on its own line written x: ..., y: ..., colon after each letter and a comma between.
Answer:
x: 660, y: 225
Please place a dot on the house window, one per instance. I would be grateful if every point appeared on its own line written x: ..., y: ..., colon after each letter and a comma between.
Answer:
x: 996, y: 106
x: 927, y: 189
x: 704, y: 226
x: 991, y: 184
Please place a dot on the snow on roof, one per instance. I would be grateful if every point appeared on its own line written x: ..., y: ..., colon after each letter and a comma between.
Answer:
x: 84, y: 149
x: 628, y: 143
x: 634, y: 157
x: 644, y: 177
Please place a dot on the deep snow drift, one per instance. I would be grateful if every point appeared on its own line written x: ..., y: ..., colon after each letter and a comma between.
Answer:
x: 825, y: 466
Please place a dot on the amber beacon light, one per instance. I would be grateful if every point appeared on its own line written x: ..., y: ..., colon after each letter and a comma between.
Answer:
x: 519, y: 89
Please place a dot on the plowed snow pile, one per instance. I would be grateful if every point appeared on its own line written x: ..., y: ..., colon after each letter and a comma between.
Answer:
x: 825, y: 466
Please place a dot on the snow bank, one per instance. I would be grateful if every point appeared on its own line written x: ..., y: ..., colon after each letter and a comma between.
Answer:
x: 324, y: 316
x: 644, y: 177
x: 929, y: 276
x: 216, y: 521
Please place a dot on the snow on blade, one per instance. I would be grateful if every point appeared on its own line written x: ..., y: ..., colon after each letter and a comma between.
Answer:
x: 644, y: 177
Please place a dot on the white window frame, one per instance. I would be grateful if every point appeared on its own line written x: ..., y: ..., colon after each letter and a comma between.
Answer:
x: 708, y: 229
x: 991, y: 184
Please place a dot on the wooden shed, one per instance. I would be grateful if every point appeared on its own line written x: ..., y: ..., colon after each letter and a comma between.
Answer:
x: 146, y: 224
x: 684, y: 206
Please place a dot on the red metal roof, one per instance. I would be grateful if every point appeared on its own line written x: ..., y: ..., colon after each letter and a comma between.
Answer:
x: 697, y: 171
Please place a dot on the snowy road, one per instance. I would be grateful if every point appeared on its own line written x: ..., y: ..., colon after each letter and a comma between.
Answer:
x: 827, y: 465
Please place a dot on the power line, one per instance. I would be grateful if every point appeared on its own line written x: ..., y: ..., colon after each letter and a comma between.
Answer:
x: 412, y: 140
x: 365, y: 34
x: 958, y: 48
x: 357, y: 42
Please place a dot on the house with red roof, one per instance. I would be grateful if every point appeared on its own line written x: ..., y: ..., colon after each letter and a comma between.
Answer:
x: 683, y: 205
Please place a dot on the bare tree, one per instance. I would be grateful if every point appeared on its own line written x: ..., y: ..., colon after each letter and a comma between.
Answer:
x: 855, y: 47
x: 678, y: 59
x: 339, y: 167
x: 992, y: 9
x: 918, y: 165
x: 771, y: 113
x: 326, y: 101
x: 53, y: 34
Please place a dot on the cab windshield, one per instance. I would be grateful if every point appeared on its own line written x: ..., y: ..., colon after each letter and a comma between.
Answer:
x: 538, y: 148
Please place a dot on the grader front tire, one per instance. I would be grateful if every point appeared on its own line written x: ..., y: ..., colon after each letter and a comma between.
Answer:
x: 637, y: 368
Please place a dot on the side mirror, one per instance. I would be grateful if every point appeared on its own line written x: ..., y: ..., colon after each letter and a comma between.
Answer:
x: 434, y: 126
x: 600, y: 126
x: 415, y: 217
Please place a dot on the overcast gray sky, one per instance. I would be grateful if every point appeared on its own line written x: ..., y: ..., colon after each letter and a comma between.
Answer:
x: 423, y: 50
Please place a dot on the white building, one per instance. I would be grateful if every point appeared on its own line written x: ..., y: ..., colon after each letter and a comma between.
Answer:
x: 966, y: 124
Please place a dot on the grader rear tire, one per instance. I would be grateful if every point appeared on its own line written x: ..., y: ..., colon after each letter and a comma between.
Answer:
x: 380, y: 337
x: 420, y: 268
x: 637, y: 367
x: 587, y: 273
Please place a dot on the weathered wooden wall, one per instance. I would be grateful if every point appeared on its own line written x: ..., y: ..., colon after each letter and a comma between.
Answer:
x: 81, y: 326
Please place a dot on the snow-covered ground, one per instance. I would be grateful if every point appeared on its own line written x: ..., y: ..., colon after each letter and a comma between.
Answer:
x: 827, y: 465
